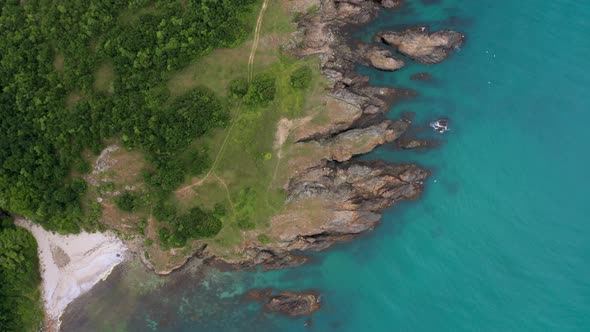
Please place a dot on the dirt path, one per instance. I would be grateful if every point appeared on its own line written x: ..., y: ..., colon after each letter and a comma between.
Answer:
x: 256, y: 40
x: 239, y: 108
x: 226, y: 190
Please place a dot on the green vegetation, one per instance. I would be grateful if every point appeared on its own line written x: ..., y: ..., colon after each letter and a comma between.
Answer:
x: 313, y: 9
x: 198, y: 161
x: 249, y: 165
x: 238, y: 87
x: 262, y: 90
x: 195, y: 224
x: 301, y: 78
x: 163, y: 80
x: 264, y: 239
x: 127, y: 201
x: 20, y: 303
x: 75, y: 73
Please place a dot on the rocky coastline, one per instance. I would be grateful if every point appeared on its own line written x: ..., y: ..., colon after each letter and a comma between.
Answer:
x: 330, y: 196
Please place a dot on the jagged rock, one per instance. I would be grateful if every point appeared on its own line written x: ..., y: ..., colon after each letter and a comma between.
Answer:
x: 288, y: 303
x: 294, y: 304
x: 370, y: 186
x: 384, y: 62
x: 335, y: 201
x: 383, y: 59
x: 359, y: 141
x: 422, y: 46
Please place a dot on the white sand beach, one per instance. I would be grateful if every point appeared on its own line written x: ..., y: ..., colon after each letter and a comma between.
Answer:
x: 71, y: 265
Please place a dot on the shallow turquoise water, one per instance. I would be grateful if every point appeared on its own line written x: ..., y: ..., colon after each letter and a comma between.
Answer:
x: 500, y: 241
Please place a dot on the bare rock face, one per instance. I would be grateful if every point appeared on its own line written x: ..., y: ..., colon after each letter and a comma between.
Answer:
x: 337, y: 201
x: 383, y: 59
x: 345, y: 145
x: 422, y: 46
x: 359, y: 185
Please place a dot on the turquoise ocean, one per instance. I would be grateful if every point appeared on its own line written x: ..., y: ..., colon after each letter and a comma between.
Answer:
x: 500, y: 240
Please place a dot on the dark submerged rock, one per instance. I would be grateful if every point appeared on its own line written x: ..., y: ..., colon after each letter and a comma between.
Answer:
x: 294, y: 304
x: 421, y: 77
x: 287, y: 303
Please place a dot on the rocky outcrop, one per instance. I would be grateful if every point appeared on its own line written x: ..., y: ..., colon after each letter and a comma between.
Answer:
x: 336, y: 201
x: 382, y: 59
x: 287, y: 303
x: 294, y: 304
x: 422, y: 46
x: 330, y: 196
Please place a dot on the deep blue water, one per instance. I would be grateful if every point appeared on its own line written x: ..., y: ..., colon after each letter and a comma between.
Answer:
x: 500, y: 240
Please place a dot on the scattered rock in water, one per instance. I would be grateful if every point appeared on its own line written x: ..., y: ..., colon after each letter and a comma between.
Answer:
x: 294, y: 304
x: 287, y: 303
x: 407, y: 144
x: 391, y: 4
x: 422, y: 46
x: 421, y: 77
x: 440, y: 125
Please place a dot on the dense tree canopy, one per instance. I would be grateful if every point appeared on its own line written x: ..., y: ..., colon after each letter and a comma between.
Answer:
x: 20, y: 306
x: 50, y: 109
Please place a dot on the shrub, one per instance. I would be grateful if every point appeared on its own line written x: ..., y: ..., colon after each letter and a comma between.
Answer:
x: 262, y: 90
x: 264, y: 239
x: 301, y: 78
x: 127, y: 201
x: 163, y: 236
x: 313, y: 9
x: 238, y: 87
x: 245, y: 223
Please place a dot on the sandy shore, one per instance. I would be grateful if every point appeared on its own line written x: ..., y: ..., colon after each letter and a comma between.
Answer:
x: 71, y: 265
